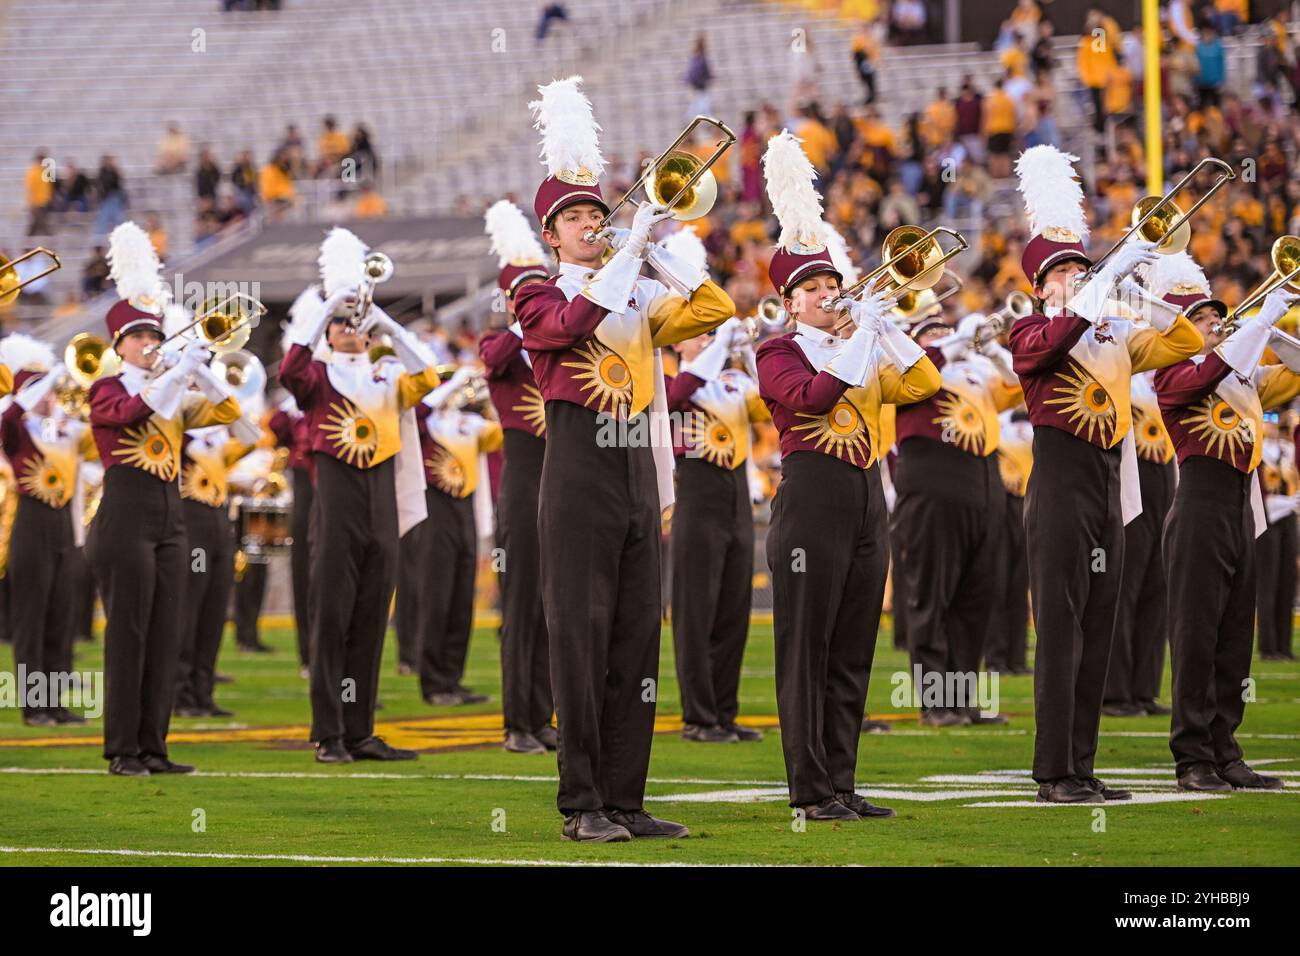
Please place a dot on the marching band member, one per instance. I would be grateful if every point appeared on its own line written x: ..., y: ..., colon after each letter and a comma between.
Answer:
x: 1075, y: 362
x: 1275, y: 549
x: 139, y: 418
x: 245, y: 479
x: 44, y: 447
x: 593, y: 333
x: 1006, y: 643
x: 368, y: 491
x: 292, y: 431
x: 526, y: 701
x: 1213, y: 406
x: 828, y: 542
x: 452, y: 439
x: 712, y: 536
x: 948, y: 516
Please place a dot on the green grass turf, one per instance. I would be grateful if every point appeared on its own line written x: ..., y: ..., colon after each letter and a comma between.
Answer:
x: 419, y: 815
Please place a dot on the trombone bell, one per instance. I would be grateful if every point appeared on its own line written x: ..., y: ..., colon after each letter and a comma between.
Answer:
x: 914, y: 258
x: 88, y: 358
x: 669, y: 179
x: 1156, y: 228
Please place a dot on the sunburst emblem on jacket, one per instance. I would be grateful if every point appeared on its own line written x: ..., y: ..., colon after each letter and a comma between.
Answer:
x: 602, y: 372
x: 147, y: 448
x: 353, y: 433
x: 1085, y: 403
x: 447, y: 471
x: 198, y: 486
x: 840, y: 431
x: 1214, y: 422
x: 40, y: 480
x: 708, y: 438
x: 533, y: 408
x: 960, y: 423
x: 1148, y: 436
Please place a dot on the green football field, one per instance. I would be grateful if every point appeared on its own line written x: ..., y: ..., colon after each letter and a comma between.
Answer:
x: 963, y: 795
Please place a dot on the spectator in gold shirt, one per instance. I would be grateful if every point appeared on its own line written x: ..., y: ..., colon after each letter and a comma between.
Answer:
x: 331, y: 146
x: 999, y: 129
x: 38, y: 183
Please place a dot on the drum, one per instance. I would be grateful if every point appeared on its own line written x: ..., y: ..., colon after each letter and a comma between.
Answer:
x: 265, y: 528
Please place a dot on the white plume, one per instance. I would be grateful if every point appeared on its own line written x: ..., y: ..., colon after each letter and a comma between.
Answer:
x: 304, y: 314
x: 570, y: 133
x: 19, y: 351
x: 342, y: 261
x: 513, y: 239
x: 1053, y: 197
x: 133, y: 263
x: 789, y: 176
x: 1173, y: 270
x: 686, y: 245
x: 175, y: 317
x: 839, y: 250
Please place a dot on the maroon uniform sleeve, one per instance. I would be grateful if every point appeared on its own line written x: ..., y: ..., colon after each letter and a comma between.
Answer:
x: 1038, y: 343
x: 550, y: 321
x: 784, y: 378
x: 111, y: 405
x: 497, y: 351
x: 936, y: 356
x: 680, y: 388
x: 301, y: 375
x: 281, y: 426
x: 11, y: 424
x: 1186, y: 383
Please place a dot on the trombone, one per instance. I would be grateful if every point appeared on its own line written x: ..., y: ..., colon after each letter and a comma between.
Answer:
x: 1158, y: 218
x: 11, y: 285
x: 378, y: 268
x: 1018, y: 305
x: 768, y: 316
x: 1285, y: 255
x: 677, y: 178
x: 223, y: 327
x: 913, y: 259
x: 912, y: 302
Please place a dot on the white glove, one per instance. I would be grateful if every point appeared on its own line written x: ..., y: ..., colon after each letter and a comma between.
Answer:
x: 379, y: 320
x: 1091, y: 301
x: 444, y: 392
x: 31, y: 396
x: 1134, y: 253
x: 647, y: 215
x: 869, y: 310
x: 214, y: 389
x: 956, y: 344
x: 617, y: 237
x: 196, y: 355
x: 310, y: 332
x: 1276, y: 305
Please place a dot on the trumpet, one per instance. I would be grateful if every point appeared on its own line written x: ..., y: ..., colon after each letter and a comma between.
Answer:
x: 677, y: 179
x: 473, y: 392
x: 1158, y: 219
x: 1018, y: 305
x: 769, y: 316
x: 224, y: 326
x: 11, y: 284
x: 378, y: 268
x: 913, y: 259
x: 87, y: 358
x: 1285, y: 255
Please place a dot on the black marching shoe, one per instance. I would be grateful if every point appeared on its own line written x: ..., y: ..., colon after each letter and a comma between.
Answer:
x: 39, y: 718
x: 828, y: 810
x: 1068, y: 790
x: 859, y: 805
x: 992, y: 720
x: 374, y: 748
x: 746, y: 735
x: 548, y: 737
x: 518, y: 742
x: 1241, y: 777
x: 215, y: 711
x: 1202, y: 777
x: 1153, y: 709
x: 870, y: 726
x: 1107, y: 793
x: 469, y: 697
x: 332, y: 751
x: 127, y: 767
x: 943, y: 718
x: 1122, y: 709
x: 641, y: 824
x: 156, y: 764
x: 64, y: 717
x: 592, y: 826
x: 705, y: 734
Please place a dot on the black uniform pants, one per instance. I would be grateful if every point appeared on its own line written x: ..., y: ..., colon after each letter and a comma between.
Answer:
x: 1074, y: 536
x: 41, y: 558
x: 828, y: 551
x: 1275, y: 554
x: 413, y: 571
x: 598, y: 524
x: 250, y: 592
x: 947, y: 520
x: 1209, y: 550
x: 1006, y: 643
x: 300, y: 559
x: 354, y: 570
x: 446, y: 612
x: 138, y: 550
x: 211, y: 557
x: 712, y: 547
x: 83, y: 595
x: 898, y: 581
x: 1137, y: 658
x: 525, y: 655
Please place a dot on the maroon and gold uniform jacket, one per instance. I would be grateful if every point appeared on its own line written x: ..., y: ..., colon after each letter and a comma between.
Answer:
x: 964, y: 411
x: 511, y: 384
x: 1149, y: 434
x: 718, y: 415
x: 451, y: 442
x: 45, y: 453
x: 292, y: 431
x: 815, y: 411
x: 209, y: 454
